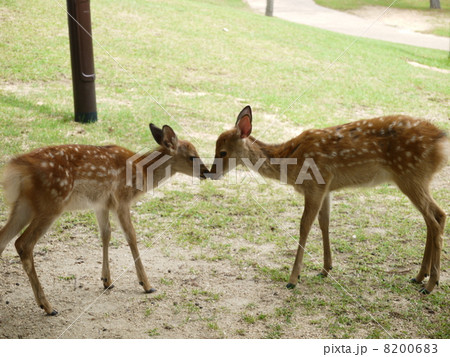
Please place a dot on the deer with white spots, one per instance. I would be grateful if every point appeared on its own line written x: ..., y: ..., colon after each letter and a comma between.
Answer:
x: 398, y: 149
x: 44, y: 183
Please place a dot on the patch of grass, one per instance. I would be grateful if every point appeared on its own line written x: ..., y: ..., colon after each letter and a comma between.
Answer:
x: 213, y: 326
x: 167, y: 282
x: 275, y: 332
x: 240, y: 332
x: 248, y: 319
x: 159, y: 297
x: 284, y: 312
x: 261, y: 317
x: 275, y: 274
x: 67, y: 278
x: 153, y: 332
x: 210, y: 296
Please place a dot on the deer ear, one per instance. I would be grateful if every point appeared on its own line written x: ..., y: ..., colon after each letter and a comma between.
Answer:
x: 169, y: 139
x: 157, y: 133
x: 244, y: 122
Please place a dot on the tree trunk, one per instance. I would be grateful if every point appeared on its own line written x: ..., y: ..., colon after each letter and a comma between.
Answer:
x: 269, y: 8
x: 435, y: 4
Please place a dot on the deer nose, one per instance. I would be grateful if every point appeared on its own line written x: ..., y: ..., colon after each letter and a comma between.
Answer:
x: 204, y: 172
x: 216, y: 170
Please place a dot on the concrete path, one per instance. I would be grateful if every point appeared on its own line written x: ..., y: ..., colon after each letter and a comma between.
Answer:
x: 309, y: 13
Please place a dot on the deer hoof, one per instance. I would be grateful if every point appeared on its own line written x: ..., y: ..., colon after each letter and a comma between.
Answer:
x: 424, y: 291
x: 109, y: 287
x: 290, y: 286
x: 152, y: 290
x: 53, y: 313
x: 415, y: 281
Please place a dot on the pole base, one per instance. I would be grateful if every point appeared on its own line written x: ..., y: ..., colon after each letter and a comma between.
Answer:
x: 86, y: 117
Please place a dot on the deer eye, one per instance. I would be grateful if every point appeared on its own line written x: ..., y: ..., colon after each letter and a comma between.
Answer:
x: 223, y: 153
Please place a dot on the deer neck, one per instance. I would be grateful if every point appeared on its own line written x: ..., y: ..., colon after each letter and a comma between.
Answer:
x: 151, y: 169
x: 264, y: 156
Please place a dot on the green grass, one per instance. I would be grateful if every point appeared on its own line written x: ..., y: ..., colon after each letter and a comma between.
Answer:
x: 178, y: 52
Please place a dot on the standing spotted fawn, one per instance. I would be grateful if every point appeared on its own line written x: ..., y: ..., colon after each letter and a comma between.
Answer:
x: 44, y: 183
x: 397, y: 149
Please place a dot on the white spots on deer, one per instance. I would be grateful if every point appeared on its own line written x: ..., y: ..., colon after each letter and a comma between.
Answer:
x: 52, y: 164
x: 412, y: 140
x: 44, y: 164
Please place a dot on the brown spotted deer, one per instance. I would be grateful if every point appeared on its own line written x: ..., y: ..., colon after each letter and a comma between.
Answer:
x: 397, y: 148
x: 44, y: 183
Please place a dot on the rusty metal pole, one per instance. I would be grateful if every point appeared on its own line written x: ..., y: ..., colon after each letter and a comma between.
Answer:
x: 82, y: 58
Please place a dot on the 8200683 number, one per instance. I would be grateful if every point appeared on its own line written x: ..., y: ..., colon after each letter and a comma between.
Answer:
x: 410, y: 348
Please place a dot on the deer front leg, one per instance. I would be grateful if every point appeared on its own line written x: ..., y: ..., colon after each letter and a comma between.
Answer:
x: 105, y: 232
x: 324, y: 223
x: 24, y: 246
x: 127, y: 226
x: 313, y: 202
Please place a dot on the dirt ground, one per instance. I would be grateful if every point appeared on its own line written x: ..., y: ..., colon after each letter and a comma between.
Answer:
x: 88, y: 311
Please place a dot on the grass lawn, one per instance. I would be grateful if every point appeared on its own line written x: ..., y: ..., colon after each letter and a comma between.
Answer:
x: 203, y: 61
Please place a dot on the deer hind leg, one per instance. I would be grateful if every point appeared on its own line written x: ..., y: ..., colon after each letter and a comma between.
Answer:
x: 313, y: 203
x: 19, y: 218
x: 24, y: 246
x: 434, y: 218
x: 105, y: 232
x: 324, y: 223
x: 123, y: 214
x: 437, y: 216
